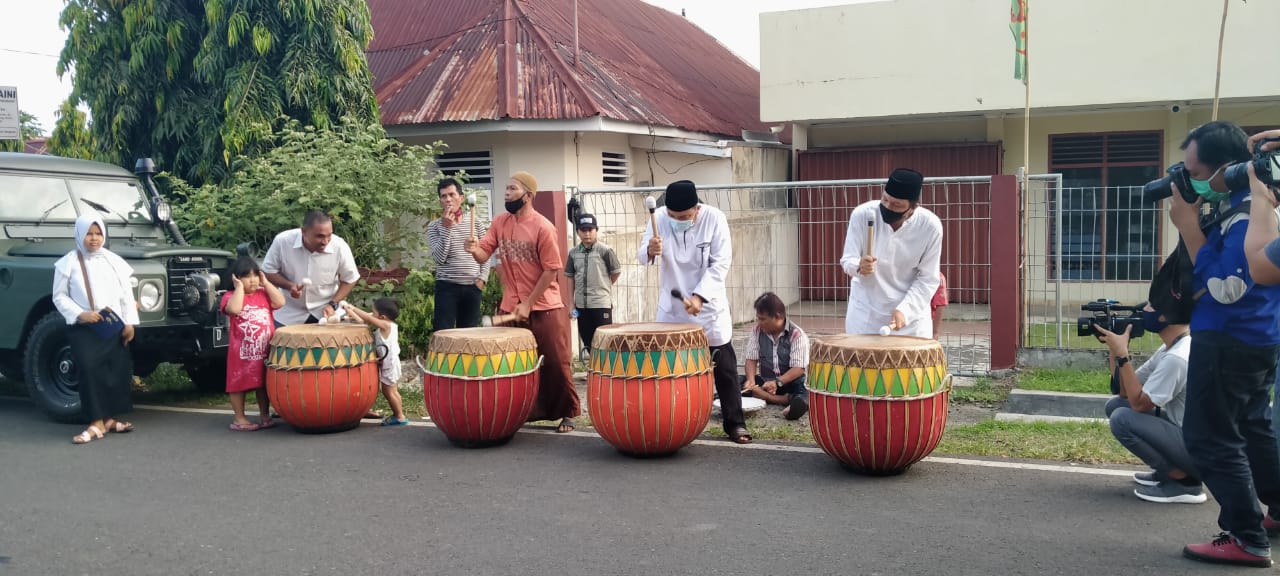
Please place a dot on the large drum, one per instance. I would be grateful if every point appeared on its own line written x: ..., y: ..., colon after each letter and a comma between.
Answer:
x: 480, y: 384
x: 650, y: 385
x: 878, y: 404
x: 322, y: 378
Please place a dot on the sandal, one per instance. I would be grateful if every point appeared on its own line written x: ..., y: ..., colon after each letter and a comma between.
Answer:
x: 740, y: 436
x: 371, y: 414
x: 238, y: 427
x: 391, y: 421
x: 265, y: 423
x: 566, y: 426
x: 117, y: 426
x: 90, y: 434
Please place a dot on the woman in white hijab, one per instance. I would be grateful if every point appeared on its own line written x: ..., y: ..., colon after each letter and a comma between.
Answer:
x: 92, y: 291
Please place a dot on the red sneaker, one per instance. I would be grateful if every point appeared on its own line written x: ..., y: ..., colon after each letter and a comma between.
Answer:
x: 1225, y: 549
x: 1271, y: 526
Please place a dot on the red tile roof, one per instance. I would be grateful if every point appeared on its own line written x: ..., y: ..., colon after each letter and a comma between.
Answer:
x: 467, y: 60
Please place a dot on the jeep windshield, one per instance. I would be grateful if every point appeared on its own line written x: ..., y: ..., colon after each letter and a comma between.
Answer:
x: 119, y: 202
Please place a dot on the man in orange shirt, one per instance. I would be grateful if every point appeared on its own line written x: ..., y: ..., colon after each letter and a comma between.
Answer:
x: 530, y: 267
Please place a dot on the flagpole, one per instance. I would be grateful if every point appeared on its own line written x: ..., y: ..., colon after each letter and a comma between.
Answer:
x: 1026, y: 163
x: 1217, y: 78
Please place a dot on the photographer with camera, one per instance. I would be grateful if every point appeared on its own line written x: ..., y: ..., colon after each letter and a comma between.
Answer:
x: 1262, y: 243
x: 1146, y: 414
x: 1235, y: 340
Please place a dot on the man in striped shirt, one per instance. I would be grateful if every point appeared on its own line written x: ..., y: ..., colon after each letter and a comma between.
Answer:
x: 460, y: 279
x: 777, y: 359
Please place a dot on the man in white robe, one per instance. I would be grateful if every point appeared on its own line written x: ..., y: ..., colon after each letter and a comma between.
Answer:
x: 694, y: 251
x: 892, y: 283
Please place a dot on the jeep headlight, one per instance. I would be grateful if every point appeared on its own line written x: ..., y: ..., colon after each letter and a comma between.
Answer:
x: 150, y: 296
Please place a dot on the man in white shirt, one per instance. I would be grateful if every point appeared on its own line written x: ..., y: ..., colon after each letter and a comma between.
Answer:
x: 694, y: 251
x: 314, y: 266
x: 893, y: 281
x: 1146, y: 414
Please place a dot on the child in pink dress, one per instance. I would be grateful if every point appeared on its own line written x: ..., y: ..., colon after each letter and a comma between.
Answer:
x: 936, y: 305
x: 249, y: 308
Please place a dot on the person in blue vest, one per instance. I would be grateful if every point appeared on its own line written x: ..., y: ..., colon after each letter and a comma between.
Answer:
x: 1232, y: 365
x: 777, y: 358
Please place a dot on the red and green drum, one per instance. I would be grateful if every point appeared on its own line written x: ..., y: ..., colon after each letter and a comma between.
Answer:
x: 480, y: 384
x: 649, y: 387
x: 322, y: 378
x: 878, y: 404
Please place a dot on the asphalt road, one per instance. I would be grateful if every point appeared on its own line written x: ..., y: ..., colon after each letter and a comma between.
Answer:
x: 184, y: 495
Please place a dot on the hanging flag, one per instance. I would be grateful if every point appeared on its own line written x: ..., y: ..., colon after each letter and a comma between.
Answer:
x: 1018, y: 25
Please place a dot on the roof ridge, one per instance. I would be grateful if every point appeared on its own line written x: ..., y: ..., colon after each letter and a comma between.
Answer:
x: 561, y: 67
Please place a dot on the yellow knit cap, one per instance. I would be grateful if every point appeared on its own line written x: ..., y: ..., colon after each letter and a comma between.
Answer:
x: 528, y: 181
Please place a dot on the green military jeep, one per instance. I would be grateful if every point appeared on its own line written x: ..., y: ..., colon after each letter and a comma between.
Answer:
x: 176, y: 285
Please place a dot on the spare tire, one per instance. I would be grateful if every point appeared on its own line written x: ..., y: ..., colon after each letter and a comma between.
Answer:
x: 51, y: 373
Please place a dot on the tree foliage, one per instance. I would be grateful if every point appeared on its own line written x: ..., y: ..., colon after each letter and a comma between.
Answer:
x: 71, y: 137
x: 352, y: 171
x: 28, y: 128
x: 195, y: 85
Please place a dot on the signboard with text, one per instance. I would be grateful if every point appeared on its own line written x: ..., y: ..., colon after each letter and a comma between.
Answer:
x: 10, y: 124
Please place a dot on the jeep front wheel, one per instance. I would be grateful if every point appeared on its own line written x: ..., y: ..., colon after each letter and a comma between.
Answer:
x: 51, y: 373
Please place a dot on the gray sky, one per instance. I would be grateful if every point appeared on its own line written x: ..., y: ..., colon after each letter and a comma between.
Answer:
x: 30, y: 41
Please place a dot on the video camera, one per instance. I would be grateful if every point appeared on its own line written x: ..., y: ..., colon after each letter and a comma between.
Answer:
x: 1236, y: 176
x: 1106, y: 313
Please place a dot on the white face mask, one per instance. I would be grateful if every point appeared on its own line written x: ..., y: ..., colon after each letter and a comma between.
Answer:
x: 681, y: 226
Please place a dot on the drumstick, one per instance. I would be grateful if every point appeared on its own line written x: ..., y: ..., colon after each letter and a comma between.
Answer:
x: 652, y: 205
x: 471, y: 201
x: 497, y: 320
x: 871, y: 233
x: 675, y: 293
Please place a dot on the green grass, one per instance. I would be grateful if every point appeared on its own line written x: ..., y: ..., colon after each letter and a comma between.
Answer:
x: 983, y: 392
x: 1083, y: 442
x: 1066, y: 380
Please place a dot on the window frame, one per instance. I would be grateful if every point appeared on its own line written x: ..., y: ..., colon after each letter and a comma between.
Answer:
x: 1103, y: 222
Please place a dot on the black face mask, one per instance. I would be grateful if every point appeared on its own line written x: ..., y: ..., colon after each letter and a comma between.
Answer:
x: 514, y: 206
x: 889, y: 215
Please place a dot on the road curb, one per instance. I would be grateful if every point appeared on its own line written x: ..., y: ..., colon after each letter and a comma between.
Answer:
x: 1060, y: 404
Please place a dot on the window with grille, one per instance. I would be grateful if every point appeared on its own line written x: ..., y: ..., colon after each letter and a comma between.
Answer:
x: 615, y: 167
x: 1108, y: 233
x: 475, y: 170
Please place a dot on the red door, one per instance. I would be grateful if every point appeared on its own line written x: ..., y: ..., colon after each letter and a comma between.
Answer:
x: 964, y: 208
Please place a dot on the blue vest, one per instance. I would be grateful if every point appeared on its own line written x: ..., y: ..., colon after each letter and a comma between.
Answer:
x: 767, y: 370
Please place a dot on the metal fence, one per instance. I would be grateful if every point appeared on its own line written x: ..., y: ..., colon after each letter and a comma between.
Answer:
x: 1082, y: 245
x: 788, y: 238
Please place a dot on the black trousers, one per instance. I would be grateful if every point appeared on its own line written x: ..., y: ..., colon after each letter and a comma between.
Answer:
x: 105, y: 371
x: 1227, y: 429
x: 591, y: 318
x: 456, y: 306
x: 728, y: 388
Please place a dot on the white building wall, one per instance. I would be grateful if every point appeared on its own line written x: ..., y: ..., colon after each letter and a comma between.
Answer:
x: 911, y: 57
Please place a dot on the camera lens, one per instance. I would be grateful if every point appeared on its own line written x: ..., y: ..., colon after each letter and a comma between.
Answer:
x: 1236, y: 176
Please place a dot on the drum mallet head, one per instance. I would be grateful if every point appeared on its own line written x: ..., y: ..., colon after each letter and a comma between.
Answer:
x: 306, y: 281
x: 650, y: 203
x: 884, y: 330
x: 471, y: 200
x: 675, y: 293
